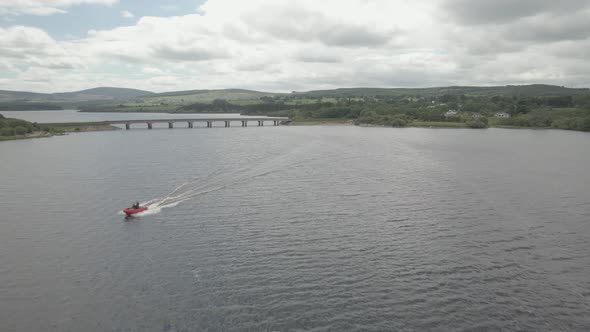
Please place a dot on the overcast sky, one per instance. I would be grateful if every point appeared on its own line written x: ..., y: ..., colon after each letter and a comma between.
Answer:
x: 285, y: 45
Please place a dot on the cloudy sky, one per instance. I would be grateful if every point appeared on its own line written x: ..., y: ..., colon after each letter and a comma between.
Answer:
x: 285, y: 45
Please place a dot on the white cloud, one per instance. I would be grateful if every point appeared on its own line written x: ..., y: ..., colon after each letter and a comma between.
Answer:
x: 285, y: 45
x: 22, y: 43
x: 127, y: 14
x: 45, y: 7
x: 318, y: 54
x: 152, y: 71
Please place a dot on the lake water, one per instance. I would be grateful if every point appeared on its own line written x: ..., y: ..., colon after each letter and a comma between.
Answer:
x: 297, y: 228
x: 75, y: 116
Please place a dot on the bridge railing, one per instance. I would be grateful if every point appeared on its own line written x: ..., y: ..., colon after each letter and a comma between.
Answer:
x: 209, y: 121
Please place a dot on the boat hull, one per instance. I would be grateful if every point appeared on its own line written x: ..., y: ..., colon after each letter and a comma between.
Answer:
x: 129, y: 212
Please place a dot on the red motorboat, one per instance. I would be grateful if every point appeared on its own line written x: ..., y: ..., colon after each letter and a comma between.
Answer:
x: 129, y: 211
x: 135, y: 209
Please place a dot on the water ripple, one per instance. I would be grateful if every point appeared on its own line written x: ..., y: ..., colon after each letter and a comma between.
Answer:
x: 308, y: 229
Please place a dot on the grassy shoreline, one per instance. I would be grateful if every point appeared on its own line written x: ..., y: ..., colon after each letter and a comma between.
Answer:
x: 414, y: 124
x: 75, y: 127
x: 58, y: 129
x: 37, y: 134
x: 435, y: 124
x: 79, y: 127
x: 322, y: 122
x: 350, y: 122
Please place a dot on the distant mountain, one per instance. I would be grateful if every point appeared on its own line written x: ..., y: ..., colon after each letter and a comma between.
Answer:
x: 96, y: 94
x: 110, y: 96
x: 217, y: 92
x: 205, y: 96
x: 6, y: 95
x: 534, y: 90
x: 103, y: 93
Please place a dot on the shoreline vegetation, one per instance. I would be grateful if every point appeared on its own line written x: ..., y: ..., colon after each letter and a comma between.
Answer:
x: 43, y: 130
x: 12, y: 129
x: 525, y: 106
x: 75, y: 127
x: 16, y: 129
x: 529, y: 106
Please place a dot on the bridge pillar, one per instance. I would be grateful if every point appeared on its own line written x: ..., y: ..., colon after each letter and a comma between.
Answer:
x: 227, y: 123
x: 170, y: 125
x: 190, y: 124
x: 127, y: 126
x: 149, y: 125
x: 260, y: 123
x: 209, y: 124
x: 244, y: 123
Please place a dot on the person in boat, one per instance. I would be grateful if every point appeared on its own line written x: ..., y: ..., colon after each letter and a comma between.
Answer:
x: 135, y: 205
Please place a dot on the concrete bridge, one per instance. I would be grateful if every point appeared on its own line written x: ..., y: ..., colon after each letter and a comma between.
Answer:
x: 227, y: 121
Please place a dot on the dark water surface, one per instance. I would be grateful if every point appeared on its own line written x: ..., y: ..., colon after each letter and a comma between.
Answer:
x: 297, y: 228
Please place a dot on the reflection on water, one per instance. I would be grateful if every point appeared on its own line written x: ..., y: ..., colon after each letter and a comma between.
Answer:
x: 285, y: 228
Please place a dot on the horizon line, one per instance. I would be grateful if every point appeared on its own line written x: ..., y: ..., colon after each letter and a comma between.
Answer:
x: 305, y: 91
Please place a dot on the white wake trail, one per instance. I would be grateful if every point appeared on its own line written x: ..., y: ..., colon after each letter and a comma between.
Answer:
x: 221, y: 179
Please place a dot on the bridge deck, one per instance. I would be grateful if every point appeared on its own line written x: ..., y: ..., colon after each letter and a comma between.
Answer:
x: 197, y: 120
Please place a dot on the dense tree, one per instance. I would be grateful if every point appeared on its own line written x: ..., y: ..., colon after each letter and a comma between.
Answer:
x: 530, y: 106
x: 7, y: 131
x: 20, y: 130
x: 26, y: 106
x: 11, y: 127
x: 562, y: 101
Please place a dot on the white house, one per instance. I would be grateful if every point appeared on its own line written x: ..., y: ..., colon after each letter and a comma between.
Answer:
x: 451, y: 113
x: 502, y: 115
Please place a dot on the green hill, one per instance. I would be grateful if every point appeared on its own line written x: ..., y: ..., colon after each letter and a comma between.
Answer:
x: 534, y: 90
x: 95, y: 94
x: 129, y: 100
x: 205, y: 96
x: 103, y: 93
x: 7, y: 96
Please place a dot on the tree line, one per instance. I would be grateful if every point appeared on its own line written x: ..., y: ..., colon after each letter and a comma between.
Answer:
x: 563, y: 112
x: 27, y: 106
x: 401, y: 111
x: 560, y: 111
x: 10, y: 127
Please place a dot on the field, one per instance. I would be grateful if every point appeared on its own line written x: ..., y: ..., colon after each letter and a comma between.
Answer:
x: 79, y: 126
x: 205, y: 96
